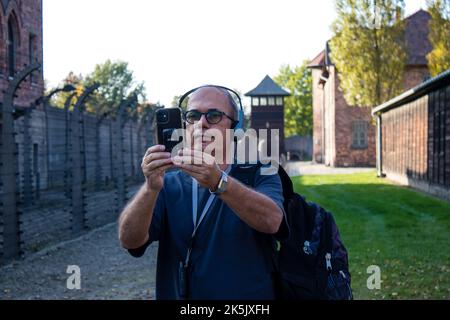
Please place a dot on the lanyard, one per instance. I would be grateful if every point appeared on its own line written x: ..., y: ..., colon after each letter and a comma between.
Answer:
x: 195, y: 206
x: 194, y: 212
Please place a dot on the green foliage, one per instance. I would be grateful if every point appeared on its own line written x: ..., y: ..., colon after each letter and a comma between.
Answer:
x: 176, y: 100
x: 116, y: 81
x: 298, y: 107
x: 403, y: 231
x: 60, y: 98
x: 439, y: 57
x: 368, y: 50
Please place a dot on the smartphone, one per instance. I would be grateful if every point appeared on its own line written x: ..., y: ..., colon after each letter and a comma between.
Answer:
x: 168, y: 120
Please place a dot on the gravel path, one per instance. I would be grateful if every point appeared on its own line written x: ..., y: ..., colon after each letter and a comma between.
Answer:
x: 107, y: 270
x: 308, y: 168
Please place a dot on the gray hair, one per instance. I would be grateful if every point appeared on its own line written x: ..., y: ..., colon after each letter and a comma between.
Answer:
x: 232, y: 102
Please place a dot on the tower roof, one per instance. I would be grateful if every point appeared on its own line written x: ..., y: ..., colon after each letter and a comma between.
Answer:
x: 267, y: 87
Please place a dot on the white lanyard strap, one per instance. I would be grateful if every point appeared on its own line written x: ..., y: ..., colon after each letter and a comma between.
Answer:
x: 195, y: 206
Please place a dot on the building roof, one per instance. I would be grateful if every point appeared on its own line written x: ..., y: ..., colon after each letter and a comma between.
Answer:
x: 414, y: 93
x: 417, y: 43
x: 318, y: 61
x: 267, y: 87
x: 322, y: 59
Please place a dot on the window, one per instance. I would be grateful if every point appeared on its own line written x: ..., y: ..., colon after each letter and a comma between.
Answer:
x: 31, y: 48
x: 271, y: 101
x: 279, y: 101
x: 255, y: 101
x: 359, y: 134
x: 11, y: 48
x: 263, y: 101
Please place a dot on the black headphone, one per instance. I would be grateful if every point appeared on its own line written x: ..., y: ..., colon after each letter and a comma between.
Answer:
x: 240, y: 114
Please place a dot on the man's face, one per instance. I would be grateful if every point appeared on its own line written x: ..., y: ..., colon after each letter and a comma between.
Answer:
x: 203, y: 100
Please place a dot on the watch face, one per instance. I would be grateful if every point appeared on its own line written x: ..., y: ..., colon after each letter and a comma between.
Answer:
x: 224, y: 177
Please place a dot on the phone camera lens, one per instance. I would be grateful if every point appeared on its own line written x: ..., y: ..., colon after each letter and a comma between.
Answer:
x: 162, y: 116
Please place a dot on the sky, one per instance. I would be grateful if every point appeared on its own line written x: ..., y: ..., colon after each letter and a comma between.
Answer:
x: 176, y: 45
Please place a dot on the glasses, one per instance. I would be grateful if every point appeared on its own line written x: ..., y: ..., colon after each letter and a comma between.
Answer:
x: 213, y: 116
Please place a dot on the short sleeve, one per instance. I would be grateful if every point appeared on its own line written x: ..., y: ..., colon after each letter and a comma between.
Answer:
x: 155, y: 226
x: 270, y: 186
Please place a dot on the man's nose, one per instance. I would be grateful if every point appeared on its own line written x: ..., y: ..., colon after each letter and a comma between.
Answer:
x: 203, y: 122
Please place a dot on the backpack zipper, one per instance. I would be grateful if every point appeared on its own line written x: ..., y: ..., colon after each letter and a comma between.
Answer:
x: 328, y: 261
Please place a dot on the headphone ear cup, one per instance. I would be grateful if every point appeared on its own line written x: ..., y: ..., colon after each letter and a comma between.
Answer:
x: 240, y: 124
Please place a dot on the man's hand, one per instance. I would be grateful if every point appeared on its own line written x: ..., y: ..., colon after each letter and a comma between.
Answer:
x: 154, y: 165
x: 136, y: 217
x: 254, y: 208
x: 199, y: 165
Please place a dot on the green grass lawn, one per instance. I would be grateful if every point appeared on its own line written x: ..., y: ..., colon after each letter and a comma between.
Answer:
x: 405, y: 232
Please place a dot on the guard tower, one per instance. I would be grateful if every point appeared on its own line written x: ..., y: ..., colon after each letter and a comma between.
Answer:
x: 267, y: 102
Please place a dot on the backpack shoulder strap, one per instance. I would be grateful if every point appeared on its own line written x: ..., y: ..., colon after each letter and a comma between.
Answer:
x: 328, y: 231
x: 286, y: 182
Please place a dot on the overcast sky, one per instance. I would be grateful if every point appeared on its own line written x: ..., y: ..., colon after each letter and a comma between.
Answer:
x: 175, y: 45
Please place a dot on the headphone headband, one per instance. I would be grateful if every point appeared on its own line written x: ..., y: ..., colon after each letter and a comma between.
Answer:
x: 184, y: 96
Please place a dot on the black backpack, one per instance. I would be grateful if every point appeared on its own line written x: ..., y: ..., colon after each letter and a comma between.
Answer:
x: 311, y: 262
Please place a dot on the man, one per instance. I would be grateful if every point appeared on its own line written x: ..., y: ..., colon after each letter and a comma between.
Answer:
x: 231, y: 251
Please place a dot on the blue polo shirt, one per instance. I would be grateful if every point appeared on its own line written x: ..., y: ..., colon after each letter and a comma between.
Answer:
x: 229, y: 260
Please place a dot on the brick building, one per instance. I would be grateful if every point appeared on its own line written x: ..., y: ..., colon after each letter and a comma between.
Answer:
x: 343, y: 135
x: 21, y: 44
x: 21, y: 84
x: 413, y: 134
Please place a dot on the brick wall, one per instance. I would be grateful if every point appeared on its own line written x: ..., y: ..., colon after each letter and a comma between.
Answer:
x: 415, y: 142
x: 330, y: 119
x: 346, y: 153
x: 404, y: 140
x: 317, y: 92
x: 26, y: 18
x: 439, y: 136
x: 414, y: 75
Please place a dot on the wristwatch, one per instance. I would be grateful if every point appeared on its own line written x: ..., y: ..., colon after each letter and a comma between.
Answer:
x: 223, y: 183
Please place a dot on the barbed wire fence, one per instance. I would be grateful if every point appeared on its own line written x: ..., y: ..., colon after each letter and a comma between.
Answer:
x: 63, y: 170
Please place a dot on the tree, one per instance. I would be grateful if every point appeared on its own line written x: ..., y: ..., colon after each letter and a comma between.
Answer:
x: 439, y: 57
x: 59, y: 99
x: 368, y: 50
x: 176, y: 100
x: 117, y: 82
x: 297, y: 107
